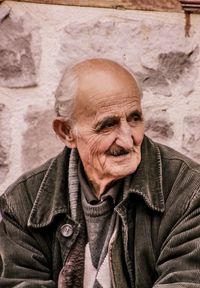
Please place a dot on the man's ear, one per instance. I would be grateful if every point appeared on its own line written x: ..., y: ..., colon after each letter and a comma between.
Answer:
x: 63, y: 129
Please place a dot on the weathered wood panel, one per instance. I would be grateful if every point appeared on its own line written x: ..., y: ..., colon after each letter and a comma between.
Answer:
x: 191, y: 5
x: 155, y: 5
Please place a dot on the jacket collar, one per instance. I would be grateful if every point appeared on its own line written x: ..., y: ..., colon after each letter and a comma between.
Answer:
x: 52, y: 196
x: 147, y: 180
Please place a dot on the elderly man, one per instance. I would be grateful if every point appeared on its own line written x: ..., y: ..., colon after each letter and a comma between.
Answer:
x: 114, y: 209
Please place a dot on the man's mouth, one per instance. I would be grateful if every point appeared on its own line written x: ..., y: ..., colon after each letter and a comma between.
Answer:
x: 118, y: 152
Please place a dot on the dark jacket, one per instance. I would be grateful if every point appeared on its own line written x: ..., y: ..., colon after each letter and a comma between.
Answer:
x: 159, y: 224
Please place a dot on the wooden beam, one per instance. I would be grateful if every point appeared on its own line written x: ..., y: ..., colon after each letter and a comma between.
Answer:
x: 152, y: 5
x: 191, y: 5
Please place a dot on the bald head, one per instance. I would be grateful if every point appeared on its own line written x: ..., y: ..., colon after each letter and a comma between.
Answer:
x: 99, y: 64
x: 78, y: 81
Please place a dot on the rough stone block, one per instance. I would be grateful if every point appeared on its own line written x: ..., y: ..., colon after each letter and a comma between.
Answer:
x: 170, y: 68
x: 4, y: 141
x: 162, y: 60
x: 4, y: 12
x: 158, y: 125
x: 19, y: 55
x: 155, y: 81
x: 174, y: 64
x: 191, y: 136
x: 39, y: 141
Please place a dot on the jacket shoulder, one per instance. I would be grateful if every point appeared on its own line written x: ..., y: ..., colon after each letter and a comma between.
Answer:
x: 180, y: 176
x: 17, y: 201
x: 168, y: 154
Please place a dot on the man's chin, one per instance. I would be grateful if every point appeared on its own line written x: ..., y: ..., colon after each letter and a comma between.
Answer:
x: 123, y: 170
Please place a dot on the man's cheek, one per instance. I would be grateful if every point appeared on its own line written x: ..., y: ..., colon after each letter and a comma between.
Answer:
x: 96, y: 145
x: 139, y: 136
x: 105, y: 143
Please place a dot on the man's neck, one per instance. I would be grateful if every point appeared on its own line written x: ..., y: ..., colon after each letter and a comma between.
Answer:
x: 101, y: 185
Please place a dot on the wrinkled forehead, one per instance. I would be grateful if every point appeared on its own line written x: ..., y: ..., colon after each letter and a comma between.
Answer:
x: 104, y: 77
x: 103, y: 88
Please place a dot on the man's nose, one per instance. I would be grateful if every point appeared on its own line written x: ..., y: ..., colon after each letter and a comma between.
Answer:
x: 125, y: 137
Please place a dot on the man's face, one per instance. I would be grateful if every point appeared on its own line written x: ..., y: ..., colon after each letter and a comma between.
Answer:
x: 109, y: 124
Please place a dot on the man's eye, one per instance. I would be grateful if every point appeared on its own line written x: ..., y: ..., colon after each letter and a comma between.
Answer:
x: 105, y: 125
x: 135, y: 117
x: 108, y: 125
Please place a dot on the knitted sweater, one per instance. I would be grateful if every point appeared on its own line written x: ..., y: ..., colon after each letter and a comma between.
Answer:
x: 88, y: 263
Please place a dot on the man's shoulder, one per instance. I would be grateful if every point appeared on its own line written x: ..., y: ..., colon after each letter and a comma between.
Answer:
x: 29, y: 179
x: 180, y: 174
x: 172, y: 156
x: 168, y: 158
x: 20, y: 196
x: 179, y: 177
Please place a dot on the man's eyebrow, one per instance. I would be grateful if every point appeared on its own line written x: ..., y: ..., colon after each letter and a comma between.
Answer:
x: 135, y: 112
x: 107, y: 121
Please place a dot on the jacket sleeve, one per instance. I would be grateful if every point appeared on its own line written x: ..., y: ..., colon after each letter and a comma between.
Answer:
x: 22, y: 260
x: 178, y: 264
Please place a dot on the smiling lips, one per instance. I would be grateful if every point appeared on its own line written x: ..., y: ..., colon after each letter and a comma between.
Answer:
x: 118, y: 151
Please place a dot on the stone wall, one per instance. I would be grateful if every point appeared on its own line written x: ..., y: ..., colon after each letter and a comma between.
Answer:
x: 38, y: 41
